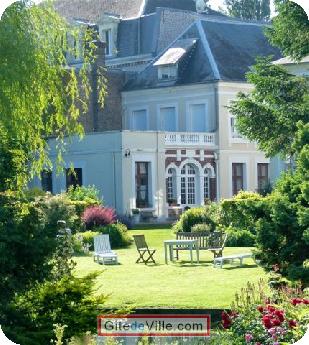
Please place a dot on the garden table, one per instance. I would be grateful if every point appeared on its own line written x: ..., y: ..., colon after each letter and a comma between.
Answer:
x: 191, y: 244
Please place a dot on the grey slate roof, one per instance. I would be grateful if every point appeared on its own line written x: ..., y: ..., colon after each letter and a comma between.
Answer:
x: 157, y: 31
x: 225, y: 50
x: 92, y: 10
x: 151, y: 5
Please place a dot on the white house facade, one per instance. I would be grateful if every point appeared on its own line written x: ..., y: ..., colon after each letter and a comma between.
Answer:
x: 166, y: 139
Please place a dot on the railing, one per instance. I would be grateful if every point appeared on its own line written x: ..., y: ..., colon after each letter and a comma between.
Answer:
x: 179, y: 138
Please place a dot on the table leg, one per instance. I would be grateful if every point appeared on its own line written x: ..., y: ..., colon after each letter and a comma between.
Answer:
x: 171, y: 252
x: 165, y: 253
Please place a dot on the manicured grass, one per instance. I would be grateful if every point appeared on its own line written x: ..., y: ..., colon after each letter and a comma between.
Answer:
x: 175, y: 285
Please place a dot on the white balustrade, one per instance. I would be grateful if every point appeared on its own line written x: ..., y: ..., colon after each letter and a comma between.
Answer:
x: 189, y: 138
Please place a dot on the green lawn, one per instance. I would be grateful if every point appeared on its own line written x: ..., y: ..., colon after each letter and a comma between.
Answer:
x: 175, y: 285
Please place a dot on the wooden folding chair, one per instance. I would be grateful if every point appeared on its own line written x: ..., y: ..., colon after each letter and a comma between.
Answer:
x: 145, y: 253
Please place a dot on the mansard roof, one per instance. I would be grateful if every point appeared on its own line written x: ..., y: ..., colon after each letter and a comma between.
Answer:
x: 92, y: 10
x: 225, y: 49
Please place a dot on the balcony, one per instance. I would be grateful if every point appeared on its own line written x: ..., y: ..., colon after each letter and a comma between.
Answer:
x: 190, y: 139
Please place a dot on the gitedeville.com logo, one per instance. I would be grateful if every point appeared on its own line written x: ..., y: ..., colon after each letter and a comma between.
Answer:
x: 140, y: 325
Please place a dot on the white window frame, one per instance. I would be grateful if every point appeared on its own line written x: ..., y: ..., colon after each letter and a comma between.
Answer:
x: 171, y: 76
x: 238, y: 138
x: 159, y: 118
x: 152, y: 176
x: 188, y: 121
x: 132, y: 110
x: 186, y: 176
x: 245, y: 161
x: 110, y: 43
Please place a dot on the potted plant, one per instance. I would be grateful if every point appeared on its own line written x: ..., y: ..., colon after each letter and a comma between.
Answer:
x: 136, y: 215
x: 172, y: 202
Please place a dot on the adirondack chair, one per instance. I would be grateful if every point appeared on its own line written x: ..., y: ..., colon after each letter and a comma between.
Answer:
x: 102, y: 250
x: 145, y: 254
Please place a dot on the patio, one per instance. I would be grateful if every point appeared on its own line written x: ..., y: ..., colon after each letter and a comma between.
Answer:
x: 177, y: 285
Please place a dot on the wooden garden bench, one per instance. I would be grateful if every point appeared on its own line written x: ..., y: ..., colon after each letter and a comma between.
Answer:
x: 212, y: 241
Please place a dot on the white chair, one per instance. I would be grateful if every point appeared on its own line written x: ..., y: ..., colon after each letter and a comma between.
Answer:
x: 103, y: 252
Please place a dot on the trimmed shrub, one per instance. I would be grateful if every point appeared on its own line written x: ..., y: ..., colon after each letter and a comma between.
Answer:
x: 98, y: 216
x: 195, y: 216
x: 242, y: 211
x: 240, y: 238
x: 203, y: 227
x: 118, y: 235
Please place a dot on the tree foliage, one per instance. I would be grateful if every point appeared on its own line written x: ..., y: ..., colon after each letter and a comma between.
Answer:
x: 290, y: 29
x: 39, y: 95
x: 269, y: 114
x: 248, y: 9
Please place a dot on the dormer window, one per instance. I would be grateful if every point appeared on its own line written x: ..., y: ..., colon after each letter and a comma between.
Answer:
x: 107, y: 39
x: 167, y: 72
x: 168, y: 63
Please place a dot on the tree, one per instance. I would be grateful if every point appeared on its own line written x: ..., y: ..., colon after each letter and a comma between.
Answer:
x: 39, y: 97
x: 248, y: 9
x: 290, y: 30
x: 283, y: 235
x: 269, y: 114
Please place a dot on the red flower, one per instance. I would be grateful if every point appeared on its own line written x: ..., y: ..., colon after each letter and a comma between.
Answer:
x: 226, y: 324
x: 292, y: 323
x: 226, y: 320
x: 267, y: 321
x: 260, y: 308
x: 279, y: 314
x: 270, y: 308
x: 296, y: 301
x: 306, y: 301
x: 276, y: 322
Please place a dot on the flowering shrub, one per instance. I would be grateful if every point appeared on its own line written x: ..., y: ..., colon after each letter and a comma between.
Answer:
x: 97, y: 216
x: 261, y: 316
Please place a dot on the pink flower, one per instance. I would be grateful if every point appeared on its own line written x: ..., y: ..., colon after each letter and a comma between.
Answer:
x: 248, y: 337
x: 272, y: 331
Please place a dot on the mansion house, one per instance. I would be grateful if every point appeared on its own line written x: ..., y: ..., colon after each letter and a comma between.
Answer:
x: 165, y: 139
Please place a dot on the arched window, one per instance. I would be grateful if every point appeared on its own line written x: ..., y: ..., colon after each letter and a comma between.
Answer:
x: 206, y: 184
x: 171, y: 193
x: 188, y: 185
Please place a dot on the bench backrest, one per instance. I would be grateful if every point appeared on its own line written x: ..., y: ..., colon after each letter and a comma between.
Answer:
x: 102, y: 244
x: 205, y: 239
x: 140, y: 241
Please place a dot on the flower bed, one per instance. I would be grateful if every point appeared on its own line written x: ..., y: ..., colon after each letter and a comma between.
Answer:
x: 257, y: 317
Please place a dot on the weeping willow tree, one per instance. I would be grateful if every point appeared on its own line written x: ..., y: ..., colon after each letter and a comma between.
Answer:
x: 40, y: 96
